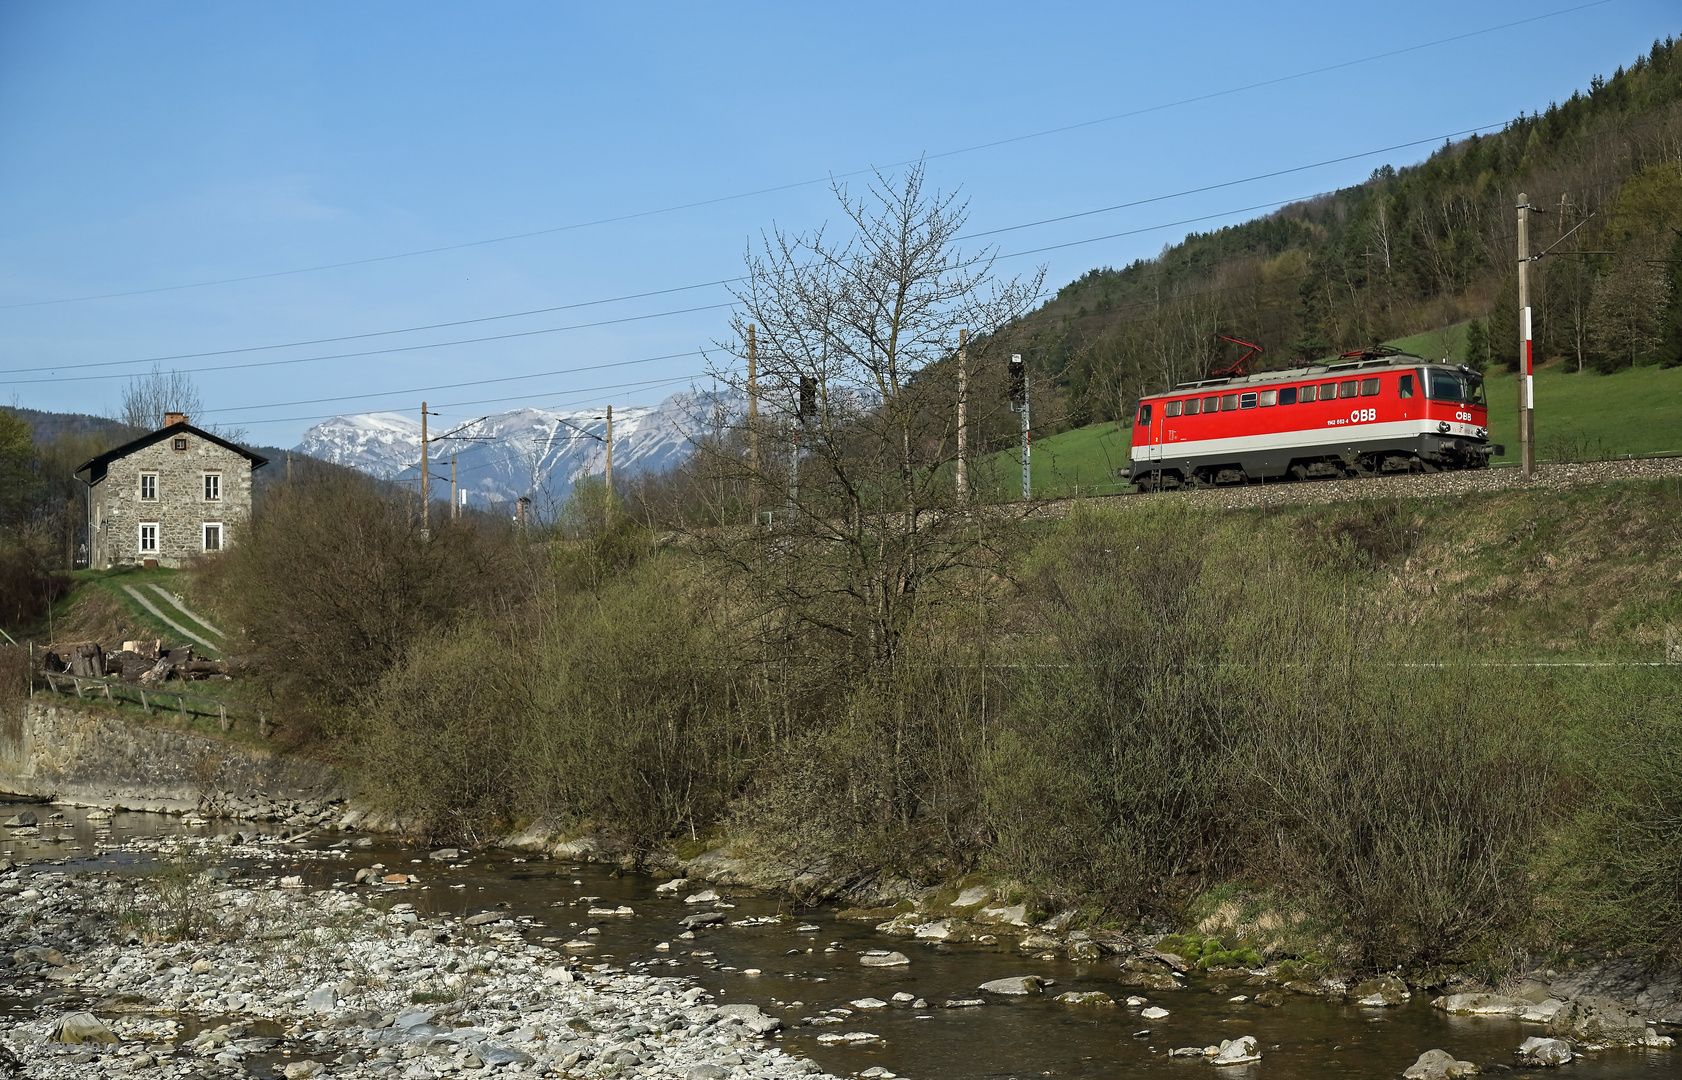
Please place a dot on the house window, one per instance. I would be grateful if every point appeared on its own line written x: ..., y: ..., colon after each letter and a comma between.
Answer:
x: 181, y: 444
x: 212, y: 487
x: 148, y: 538
x: 148, y: 486
x: 213, y: 536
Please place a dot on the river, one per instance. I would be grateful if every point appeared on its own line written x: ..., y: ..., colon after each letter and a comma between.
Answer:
x: 805, y: 964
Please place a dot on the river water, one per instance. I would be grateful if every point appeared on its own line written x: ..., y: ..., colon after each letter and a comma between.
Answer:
x: 807, y: 964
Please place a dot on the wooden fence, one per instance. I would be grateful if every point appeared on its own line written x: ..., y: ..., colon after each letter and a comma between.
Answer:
x: 185, y: 705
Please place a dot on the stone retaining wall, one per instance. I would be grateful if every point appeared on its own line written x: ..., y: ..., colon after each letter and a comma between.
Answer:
x: 52, y: 750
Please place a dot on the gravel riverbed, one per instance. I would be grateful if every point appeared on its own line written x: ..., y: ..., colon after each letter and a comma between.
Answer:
x: 277, y: 979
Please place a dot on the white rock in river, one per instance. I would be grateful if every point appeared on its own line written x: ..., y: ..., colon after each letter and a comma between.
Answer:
x: 705, y: 896
x: 1540, y: 1051
x: 973, y: 896
x: 1237, y: 1052
x: 1438, y: 1065
x: 879, y: 958
x: 1155, y: 1012
x: 868, y: 1003
x: 322, y: 1000
x: 1015, y: 984
x: 672, y: 886
x: 1135, y: 1001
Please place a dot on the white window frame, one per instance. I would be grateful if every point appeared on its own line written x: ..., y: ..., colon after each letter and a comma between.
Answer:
x: 204, y: 536
x: 157, y: 538
x: 145, y: 476
x: 210, y: 477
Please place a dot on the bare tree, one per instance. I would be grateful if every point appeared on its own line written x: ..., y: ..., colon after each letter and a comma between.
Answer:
x: 860, y: 488
x: 148, y: 398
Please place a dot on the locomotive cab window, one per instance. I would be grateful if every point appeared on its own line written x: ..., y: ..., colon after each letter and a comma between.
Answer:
x: 1229, y: 402
x: 1171, y: 409
x: 1405, y: 386
x: 1145, y: 413
x: 1191, y: 406
x: 1247, y: 401
x: 1288, y: 396
x: 1369, y: 387
x: 1453, y: 386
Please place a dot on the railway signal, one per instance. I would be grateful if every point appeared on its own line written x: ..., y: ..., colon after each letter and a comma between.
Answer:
x: 1019, y: 403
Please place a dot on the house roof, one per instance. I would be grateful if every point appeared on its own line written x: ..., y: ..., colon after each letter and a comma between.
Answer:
x: 96, y: 467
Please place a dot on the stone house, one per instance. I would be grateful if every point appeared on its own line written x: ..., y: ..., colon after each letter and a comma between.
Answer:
x: 167, y: 496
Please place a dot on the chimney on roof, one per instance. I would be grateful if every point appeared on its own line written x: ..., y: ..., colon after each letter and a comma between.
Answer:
x: 173, y: 418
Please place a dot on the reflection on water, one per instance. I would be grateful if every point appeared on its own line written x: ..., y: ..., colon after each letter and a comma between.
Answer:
x: 803, y: 972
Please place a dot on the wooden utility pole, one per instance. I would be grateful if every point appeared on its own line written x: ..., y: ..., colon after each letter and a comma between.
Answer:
x: 753, y: 404
x: 455, y: 500
x: 426, y: 489
x: 607, y: 480
x: 1526, y: 366
x: 963, y: 394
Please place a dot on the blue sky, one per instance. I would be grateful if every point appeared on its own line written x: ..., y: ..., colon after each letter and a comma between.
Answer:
x: 148, y: 146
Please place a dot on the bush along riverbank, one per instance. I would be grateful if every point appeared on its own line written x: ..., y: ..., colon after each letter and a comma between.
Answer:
x: 1128, y: 715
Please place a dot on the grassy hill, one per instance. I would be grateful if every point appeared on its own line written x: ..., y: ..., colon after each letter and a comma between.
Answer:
x: 1411, y: 248
x: 1636, y: 412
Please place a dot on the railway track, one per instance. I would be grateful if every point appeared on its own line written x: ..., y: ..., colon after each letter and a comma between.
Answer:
x: 1402, y: 485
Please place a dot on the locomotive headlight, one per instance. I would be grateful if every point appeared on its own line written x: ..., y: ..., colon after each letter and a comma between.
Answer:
x: 1483, y: 433
x: 1443, y: 426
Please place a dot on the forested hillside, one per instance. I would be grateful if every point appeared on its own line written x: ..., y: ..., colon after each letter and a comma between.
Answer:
x: 1409, y: 250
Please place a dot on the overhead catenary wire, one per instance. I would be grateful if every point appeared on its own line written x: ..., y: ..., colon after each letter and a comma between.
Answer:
x: 166, y: 358
x: 829, y: 178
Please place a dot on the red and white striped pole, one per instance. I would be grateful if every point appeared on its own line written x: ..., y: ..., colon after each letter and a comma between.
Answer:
x: 1526, y: 374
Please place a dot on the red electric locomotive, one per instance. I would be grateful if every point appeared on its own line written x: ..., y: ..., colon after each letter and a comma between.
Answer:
x: 1369, y: 413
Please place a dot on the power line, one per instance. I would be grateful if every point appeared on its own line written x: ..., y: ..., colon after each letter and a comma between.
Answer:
x: 1212, y: 95
x: 453, y: 386
x: 719, y: 281
x: 394, y: 349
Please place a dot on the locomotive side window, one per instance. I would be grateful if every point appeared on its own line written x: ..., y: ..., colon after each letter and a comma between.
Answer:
x: 1229, y: 402
x: 1369, y: 387
x: 1191, y: 406
x: 1145, y: 413
x: 1328, y: 391
x: 1288, y: 396
x: 1210, y: 404
x: 1247, y: 401
x: 1406, y: 386
x: 1348, y: 388
x: 1171, y: 409
x: 1307, y: 395
x: 1269, y: 397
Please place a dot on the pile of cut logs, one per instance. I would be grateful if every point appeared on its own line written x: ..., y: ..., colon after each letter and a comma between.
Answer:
x: 145, y: 662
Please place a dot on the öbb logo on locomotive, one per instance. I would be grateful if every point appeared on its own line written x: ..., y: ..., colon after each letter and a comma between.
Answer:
x: 1408, y: 415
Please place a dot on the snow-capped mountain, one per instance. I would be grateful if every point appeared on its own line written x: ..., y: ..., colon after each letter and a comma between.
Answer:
x: 535, y: 452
